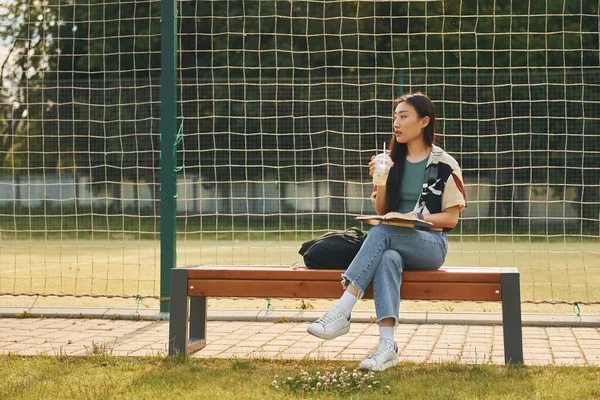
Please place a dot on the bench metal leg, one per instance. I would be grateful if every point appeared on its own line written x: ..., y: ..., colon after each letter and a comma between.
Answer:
x: 511, y: 318
x: 178, y: 318
x: 197, y: 335
x: 187, y: 320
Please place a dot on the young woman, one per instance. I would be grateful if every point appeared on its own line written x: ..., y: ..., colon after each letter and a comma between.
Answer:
x: 423, y: 180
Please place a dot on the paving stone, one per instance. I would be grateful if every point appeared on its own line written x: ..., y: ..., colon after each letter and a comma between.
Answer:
x: 363, y: 344
x: 231, y: 327
x: 590, y: 344
x: 364, y: 351
x: 472, y: 340
x: 412, y: 346
x: 459, y: 337
x: 227, y: 341
x: 35, y: 340
x: 270, y: 349
x: 300, y: 350
x: 218, y: 347
x: 346, y: 340
x: 542, y: 341
x: 441, y: 346
x: 295, y: 336
x: 536, y: 352
x: 415, y: 353
x: 566, y: 354
x: 419, y: 343
x: 307, y: 345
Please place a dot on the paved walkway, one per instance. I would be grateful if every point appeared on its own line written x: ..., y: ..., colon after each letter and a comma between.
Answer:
x: 431, y: 342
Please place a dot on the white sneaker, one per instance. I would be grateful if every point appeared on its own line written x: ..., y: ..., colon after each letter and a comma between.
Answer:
x: 331, y: 325
x: 384, y: 357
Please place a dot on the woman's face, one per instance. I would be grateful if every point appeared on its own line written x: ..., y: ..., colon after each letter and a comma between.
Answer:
x: 408, y: 126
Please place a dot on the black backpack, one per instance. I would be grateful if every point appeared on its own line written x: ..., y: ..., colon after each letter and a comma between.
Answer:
x: 333, y: 250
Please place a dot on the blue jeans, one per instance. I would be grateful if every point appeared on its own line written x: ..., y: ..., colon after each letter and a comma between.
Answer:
x: 386, y: 252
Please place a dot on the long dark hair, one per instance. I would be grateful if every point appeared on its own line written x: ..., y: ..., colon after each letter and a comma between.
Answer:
x: 398, y: 151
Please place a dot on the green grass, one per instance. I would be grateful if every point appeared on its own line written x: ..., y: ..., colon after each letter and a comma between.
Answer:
x: 106, y: 377
x: 108, y: 252
x: 86, y: 223
x: 549, y: 271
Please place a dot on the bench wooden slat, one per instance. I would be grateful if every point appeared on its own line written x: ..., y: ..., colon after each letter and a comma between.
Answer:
x: 445, y: 274
x: 302, y: 289
x: 451, y: 291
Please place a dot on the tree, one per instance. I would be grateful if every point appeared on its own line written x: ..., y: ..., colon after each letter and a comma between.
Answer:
x: 87, y: 73
x: 21, y: 75
x: 301, y: 89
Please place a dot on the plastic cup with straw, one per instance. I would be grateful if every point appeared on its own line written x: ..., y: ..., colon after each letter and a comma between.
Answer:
x: 382, y: 168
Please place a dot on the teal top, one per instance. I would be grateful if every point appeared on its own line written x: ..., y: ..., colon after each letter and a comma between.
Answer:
x: 412, y: 185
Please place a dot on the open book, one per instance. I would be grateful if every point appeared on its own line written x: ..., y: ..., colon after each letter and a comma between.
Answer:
x: 395, y: 218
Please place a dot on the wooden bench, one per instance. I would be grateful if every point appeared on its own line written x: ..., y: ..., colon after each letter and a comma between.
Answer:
x: 191, y: 286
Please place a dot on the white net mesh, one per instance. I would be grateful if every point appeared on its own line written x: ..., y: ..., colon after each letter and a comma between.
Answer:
x: 283, y: 104
x: 287, y: 101
x: 80, y: 157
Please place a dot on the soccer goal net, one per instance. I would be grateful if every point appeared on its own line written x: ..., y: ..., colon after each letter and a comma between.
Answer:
x: 281, y: 105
